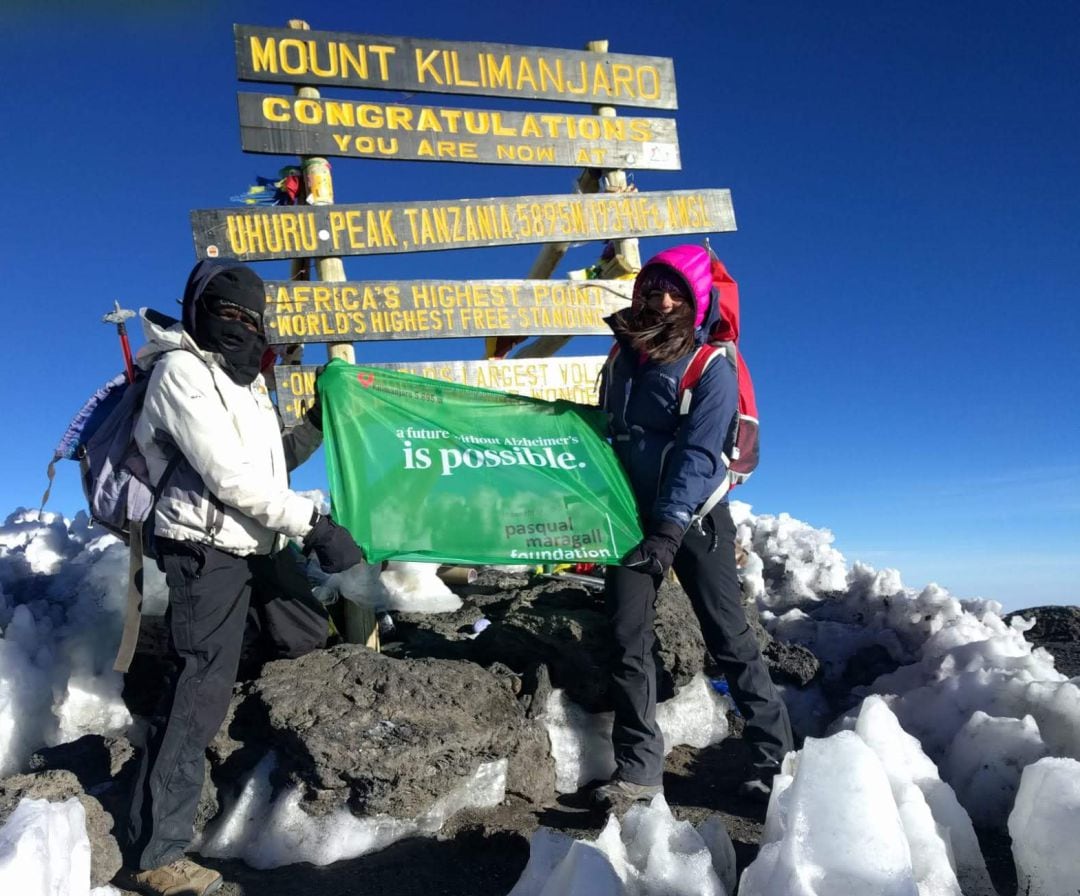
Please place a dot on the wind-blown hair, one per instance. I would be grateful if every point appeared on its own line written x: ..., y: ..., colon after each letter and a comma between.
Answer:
x: 662, y: 337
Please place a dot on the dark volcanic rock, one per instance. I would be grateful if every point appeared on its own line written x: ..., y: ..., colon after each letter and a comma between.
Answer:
x: 104, y: 769
x: 57, y: 787
x: 102, y: 766
x: 682, y: 649
x: 450, y: 635
x: 434, y: 635
x: 866, y: 665
x: 383, y: 735
x: 790, y: 663
x: 1057, y: 629
x: 93, y: 759
x: 563, y: 626
x: 1059, y: 624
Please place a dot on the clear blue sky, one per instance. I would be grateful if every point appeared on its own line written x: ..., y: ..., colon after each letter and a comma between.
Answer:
x: 904, y: 174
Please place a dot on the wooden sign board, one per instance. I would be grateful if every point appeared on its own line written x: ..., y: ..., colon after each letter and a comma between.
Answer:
x: 258, y: 234
x: 292, y: 125
x: 570, y: 379
x: 333, y: 58
x: 300, y: 312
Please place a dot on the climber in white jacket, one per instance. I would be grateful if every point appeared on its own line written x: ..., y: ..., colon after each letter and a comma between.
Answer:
x: 231, y: 487
x: 215, y: 452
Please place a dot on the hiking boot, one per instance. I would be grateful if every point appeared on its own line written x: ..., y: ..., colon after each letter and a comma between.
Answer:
x: 180, y: 878
x: 618, y: 795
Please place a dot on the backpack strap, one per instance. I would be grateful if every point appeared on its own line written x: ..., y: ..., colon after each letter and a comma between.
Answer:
x: 604, y: 380
x: 50, y: 473
x: 704, y: 355
x: 133, y: 607
x: 129, y: 640
x: 604, y: 376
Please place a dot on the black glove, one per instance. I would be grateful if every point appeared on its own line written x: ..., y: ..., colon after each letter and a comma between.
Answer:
x: 655, y: 553
x: 314, y: 414
x: 333, y: 545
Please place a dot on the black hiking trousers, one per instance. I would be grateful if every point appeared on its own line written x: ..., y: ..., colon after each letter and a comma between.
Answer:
x: 210, y: 600
x: 705, y: 566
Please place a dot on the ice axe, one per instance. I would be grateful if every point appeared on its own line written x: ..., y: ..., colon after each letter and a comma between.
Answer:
x: 118, y: 316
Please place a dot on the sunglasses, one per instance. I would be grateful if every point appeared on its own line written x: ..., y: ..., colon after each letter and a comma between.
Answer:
x: 657, y: 295
x: 231, y: 311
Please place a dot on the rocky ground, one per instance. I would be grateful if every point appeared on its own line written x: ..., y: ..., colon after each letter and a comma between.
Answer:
x: 1057, y: 629
x: 390, y: 732
x: 484, y: 853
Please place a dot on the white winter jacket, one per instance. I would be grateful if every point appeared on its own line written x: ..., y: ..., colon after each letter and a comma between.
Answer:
x: 230, y: 489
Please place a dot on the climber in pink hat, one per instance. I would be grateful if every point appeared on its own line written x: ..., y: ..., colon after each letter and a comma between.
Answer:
x: 675, y: 449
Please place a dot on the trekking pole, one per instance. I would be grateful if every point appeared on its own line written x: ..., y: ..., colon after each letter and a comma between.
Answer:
x: 118, y: 316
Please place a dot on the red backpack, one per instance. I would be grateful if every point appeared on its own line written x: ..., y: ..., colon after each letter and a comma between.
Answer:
x: 722, y: 342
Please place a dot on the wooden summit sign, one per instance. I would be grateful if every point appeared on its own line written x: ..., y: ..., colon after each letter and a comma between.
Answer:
x: 258, y: 234
x: 417, y: 309
x: 330, y: 127
x: 550, y: 379
x: 332, y: 58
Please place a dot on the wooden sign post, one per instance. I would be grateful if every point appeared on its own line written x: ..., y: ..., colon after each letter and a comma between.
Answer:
x: 549, y: 379
x: 320, y: 192
x: 361, y: 627
x: 320, y: 232
x: 626, y: 248
x: 419, y: 65
x: 331, y: 127
x: 381, y: 228
x: 368, y: 310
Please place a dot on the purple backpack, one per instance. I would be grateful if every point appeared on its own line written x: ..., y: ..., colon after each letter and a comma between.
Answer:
x: 101, y: 437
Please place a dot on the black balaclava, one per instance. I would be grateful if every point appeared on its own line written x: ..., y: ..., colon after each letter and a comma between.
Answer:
x: 211, y: 283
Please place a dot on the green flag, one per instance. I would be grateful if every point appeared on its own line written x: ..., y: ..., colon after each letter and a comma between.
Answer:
x: 426, y: 470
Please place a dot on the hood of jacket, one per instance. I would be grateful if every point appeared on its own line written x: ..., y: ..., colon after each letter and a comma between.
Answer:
x: 199, y: 278
x: 166, y: 334
x: 692, y: 265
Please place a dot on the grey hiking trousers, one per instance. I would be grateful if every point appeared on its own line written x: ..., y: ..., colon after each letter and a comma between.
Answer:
x: 705, y: 565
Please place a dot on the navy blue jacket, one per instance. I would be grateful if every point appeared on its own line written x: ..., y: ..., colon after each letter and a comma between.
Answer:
x: 673, y: 463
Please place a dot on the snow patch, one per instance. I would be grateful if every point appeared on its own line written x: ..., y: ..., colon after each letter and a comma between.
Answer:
x: 268, y: 830
x: 864, y: 811
x: 650, y: 852
x: 1045, y: 827
x: 408, y: 587
x: 44, y: 850
x: 581, y: 741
